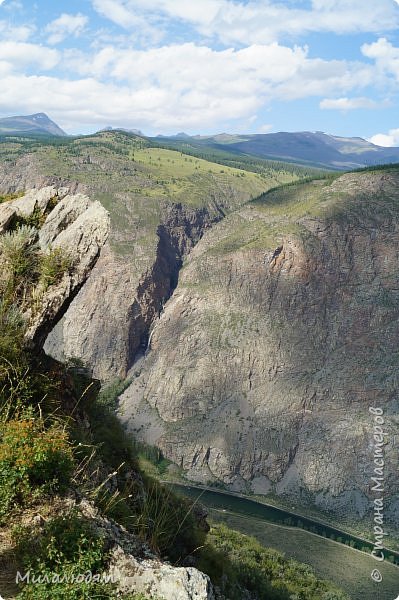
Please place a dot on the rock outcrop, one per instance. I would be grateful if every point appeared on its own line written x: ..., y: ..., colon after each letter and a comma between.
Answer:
x: 134, y: 569
x: 282, y: 332
x: 36, y: 200
x: 158, y: 580
x: 73, y: 224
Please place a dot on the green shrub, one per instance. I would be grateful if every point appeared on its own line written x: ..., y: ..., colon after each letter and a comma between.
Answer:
x: 19, y: 255
x: 53, y: 265
x: 151, y: 459
x: 11, y: 337
x: 109, y: 394
x: 11, y: 196
x: 67, y: 547
x: 33, y: 460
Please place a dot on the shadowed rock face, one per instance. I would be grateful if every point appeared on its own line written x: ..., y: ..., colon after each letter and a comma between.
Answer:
x: 282, y: 332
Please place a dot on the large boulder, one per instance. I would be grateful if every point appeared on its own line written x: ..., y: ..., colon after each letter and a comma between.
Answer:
x: 6, y: 215
x: 158, y: 580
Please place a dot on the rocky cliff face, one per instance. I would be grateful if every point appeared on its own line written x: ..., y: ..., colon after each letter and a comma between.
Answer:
x: 109, y: 321
x: 282, y: 332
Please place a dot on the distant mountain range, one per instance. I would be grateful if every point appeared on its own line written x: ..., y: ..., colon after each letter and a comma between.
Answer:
x: 316, y: 149
x: 38, y: 124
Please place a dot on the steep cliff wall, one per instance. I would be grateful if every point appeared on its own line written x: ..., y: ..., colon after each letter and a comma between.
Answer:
x: 108, y: 323
x: 282, y: 332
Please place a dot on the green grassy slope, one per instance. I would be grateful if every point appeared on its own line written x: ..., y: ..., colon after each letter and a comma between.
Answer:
x: 136, y: 181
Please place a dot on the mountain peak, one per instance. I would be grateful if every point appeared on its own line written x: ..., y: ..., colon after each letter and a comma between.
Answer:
x: 36, y: 124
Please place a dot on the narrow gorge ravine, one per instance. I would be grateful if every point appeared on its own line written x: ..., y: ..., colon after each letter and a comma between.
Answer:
x: 280, y: 335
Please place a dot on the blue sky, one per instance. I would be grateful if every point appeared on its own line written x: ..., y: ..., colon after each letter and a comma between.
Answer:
x: 204, y: 66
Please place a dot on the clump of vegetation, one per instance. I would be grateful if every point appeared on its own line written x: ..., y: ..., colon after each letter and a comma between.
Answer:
x: 25, y: 268
x: 33, y: 461
x: 167, y: 522
x: 109, y: 394
x: 11, y: 196
x: 67, y: 548
x: 53, y: 265
x: 236, y: 562
x: 19, y: 253
x: 152, y: 460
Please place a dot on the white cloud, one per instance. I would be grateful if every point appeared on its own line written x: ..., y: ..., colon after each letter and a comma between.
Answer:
x: 129, y: 13
x: 126, y: 16
x: 257, y: 22
x: 385, y: 55
x: 386, y: 139
x: 177, y: 87
x: 19, y: 33
x: 116, y: 11
x: 345, y: 104
x: 64, y: 26
x: 15, y: 56
x: 263, y: 72
x: 266, y: 128
x: 14, y: 6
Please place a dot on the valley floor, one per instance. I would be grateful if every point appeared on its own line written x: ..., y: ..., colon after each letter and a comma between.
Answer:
x: 344, y: 566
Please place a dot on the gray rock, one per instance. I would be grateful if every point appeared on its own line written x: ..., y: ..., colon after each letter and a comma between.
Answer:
x: 84, y: 234
x: 26, y: 205
x: 6, y: 215
x: 64, y: 213
x: 109, y: 320
x: 150, y: 576
x: 158, y: 580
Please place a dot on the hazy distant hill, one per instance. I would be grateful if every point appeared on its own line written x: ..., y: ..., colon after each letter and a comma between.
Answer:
x: 30, y: 124
x: 318, y: 149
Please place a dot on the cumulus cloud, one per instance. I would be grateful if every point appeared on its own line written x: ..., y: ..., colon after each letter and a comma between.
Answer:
x: 184, y: 86
x: 386, y: 139
x: 187, y: 86
x: 65, y: 26
x: 385, y: 55
x: 263, y: 71
x: 266, y: 128
x: 254, y: 22
x: 347, y: 103
x: 84, y: 102
x: 15, y: 56
x: 128, y: 13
